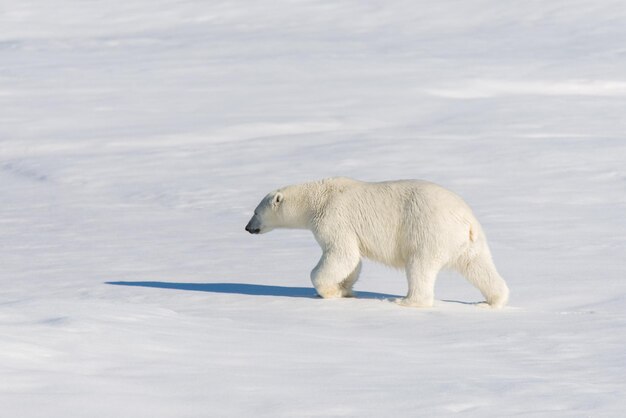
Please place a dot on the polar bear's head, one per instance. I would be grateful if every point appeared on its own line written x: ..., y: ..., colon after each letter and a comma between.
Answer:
x: 279, y: 209
x: 268, y: 214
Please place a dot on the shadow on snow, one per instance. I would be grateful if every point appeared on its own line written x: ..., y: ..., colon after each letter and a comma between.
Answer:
x: 245, y: 289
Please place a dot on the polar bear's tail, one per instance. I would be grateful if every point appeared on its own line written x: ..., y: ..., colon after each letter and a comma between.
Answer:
x: 472, y: 234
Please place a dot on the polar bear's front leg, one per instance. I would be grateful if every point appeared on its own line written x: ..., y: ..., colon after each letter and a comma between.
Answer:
x: 349, y: 281
x: 335, y: 274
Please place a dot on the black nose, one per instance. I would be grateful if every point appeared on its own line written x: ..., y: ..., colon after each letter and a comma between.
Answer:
x: 252, y: 230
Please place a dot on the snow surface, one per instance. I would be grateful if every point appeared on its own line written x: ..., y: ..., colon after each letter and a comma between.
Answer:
x: 137, y: 136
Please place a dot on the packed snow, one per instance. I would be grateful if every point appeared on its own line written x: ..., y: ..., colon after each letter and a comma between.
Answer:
x: 136, y: 138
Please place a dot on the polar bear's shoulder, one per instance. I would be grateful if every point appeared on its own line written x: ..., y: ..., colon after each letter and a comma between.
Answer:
x: 334, y: 185
x: 339, y: 185
x: 340, y: 181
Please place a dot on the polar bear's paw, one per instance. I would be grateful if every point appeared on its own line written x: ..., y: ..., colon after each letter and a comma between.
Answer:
x: 333, y: 292
x: 491, y: 304
x: 413, y: 303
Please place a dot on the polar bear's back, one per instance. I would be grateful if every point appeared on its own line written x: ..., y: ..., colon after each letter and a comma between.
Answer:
x: 393, y: 219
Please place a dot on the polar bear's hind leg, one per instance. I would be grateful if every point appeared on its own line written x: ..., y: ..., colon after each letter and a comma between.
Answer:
x: 421, y: 276
x: 482, y: 273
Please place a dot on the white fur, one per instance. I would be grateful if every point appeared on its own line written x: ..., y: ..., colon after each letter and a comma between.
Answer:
x: 409, y: 224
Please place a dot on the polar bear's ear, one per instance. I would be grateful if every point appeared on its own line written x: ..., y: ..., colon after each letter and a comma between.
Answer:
x: 278, y: 197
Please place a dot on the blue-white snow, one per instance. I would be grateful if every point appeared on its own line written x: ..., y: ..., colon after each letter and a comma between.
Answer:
x: 136, y: 138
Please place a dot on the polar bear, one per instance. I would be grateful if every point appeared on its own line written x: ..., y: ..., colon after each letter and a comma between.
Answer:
x: 414, y: 225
